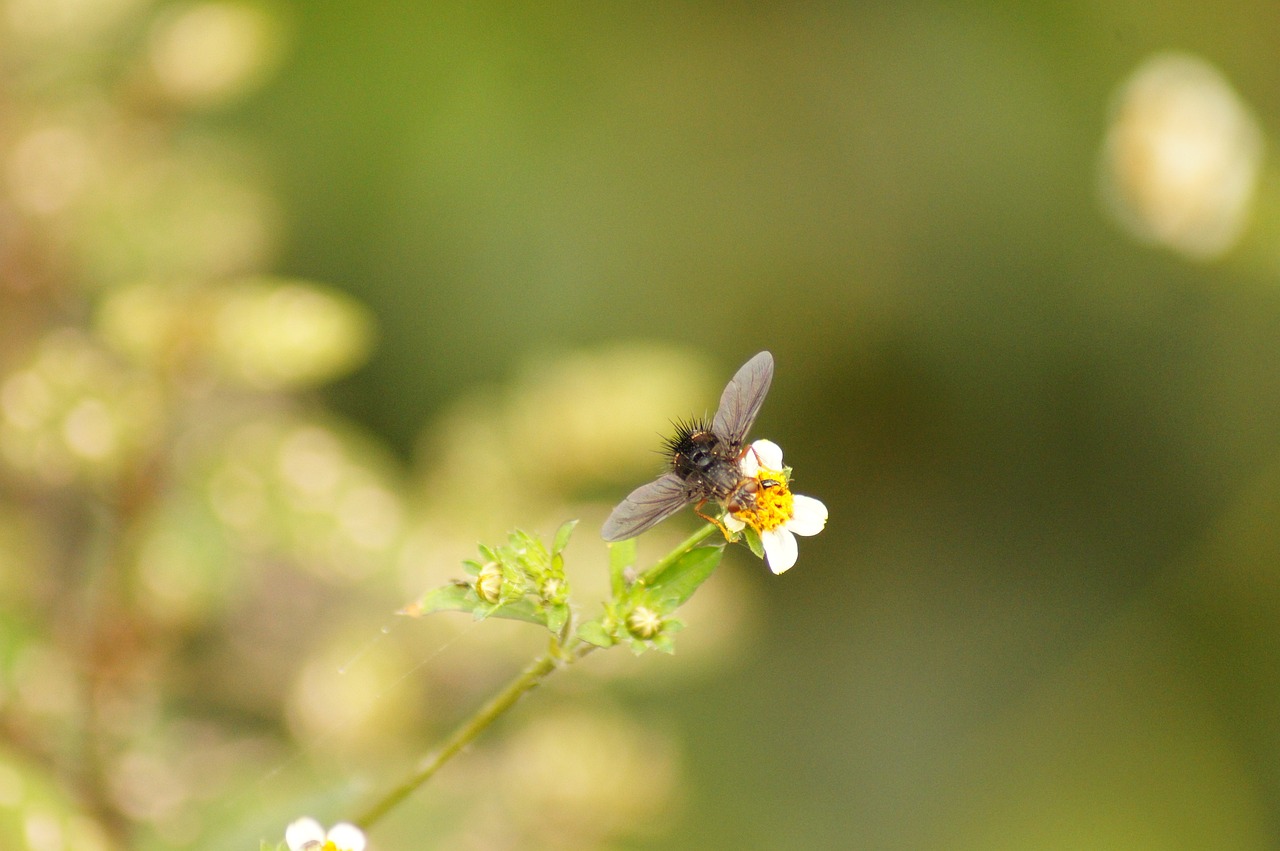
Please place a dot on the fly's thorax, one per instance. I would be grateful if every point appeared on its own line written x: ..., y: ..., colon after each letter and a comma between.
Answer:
x: 696, y: 452
x: 723, y: 479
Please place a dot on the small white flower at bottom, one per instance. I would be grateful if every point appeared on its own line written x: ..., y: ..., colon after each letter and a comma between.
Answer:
x: 307, y: 834
x: 787, y: 514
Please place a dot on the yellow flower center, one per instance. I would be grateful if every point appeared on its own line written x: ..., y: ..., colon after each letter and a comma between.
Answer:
x: 773, y: 502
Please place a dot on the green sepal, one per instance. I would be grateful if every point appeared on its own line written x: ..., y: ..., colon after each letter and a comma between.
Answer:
x: 753, y: 541
x: 676, y: 584
x: 593, y: 632
x: 563, y: 534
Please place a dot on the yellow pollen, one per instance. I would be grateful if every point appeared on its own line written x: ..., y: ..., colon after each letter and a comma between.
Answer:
x: 773, y: 502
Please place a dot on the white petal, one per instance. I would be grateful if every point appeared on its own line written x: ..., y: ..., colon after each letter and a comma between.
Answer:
x: 780, y: 549
x: 303, y: 832
x: 768, y: 453
x: 750, y: 464
x: 808, y: 517
x: 733, y: 524
x: 347, y: 837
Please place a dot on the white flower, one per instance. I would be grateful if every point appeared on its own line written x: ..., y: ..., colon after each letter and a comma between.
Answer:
x: 778, y: 515
x: 306, y: 834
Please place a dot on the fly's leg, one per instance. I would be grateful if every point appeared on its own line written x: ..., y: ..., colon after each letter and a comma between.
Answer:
x: 697, y: 509
x: 745, y: 450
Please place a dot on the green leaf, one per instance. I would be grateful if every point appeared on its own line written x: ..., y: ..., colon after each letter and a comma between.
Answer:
x: 622, y: 555
x: 557, y: 616
x: 454, y: 597
x: 664, y: 642
x: 527, y: 551
x: 562, y: 536
x: 682, y: 577
x: 458, y: 597
x: 593, y: 632
x: 520, y: 610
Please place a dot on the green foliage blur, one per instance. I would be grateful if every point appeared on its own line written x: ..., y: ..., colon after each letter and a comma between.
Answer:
x: 301, y: 301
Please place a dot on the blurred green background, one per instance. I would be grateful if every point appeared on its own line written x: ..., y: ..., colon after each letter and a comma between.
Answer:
x: 357, y: 285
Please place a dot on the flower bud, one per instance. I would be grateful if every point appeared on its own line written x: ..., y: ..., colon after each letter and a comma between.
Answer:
x: 644, y: 622
x: 488, y: 583
x: 554, y: 590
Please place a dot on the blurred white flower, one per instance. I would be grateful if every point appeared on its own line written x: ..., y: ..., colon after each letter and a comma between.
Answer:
x: 207, y: 54
x: 74, y: 411
x: 1182, y: 156
x: 306, y: 834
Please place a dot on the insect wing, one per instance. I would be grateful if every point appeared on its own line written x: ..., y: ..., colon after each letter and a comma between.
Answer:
x: 742, y: 398
x: 646, y: 506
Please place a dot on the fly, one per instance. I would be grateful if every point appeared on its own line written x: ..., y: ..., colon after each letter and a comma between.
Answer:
x: 705, y: 460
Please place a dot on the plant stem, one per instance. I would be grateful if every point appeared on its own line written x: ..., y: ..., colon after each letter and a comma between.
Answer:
x: 558, y: 656
x: 666, y: 561
x: 462, y: 736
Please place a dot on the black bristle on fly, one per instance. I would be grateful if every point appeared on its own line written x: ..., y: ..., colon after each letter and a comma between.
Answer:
x: 682, y: 443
